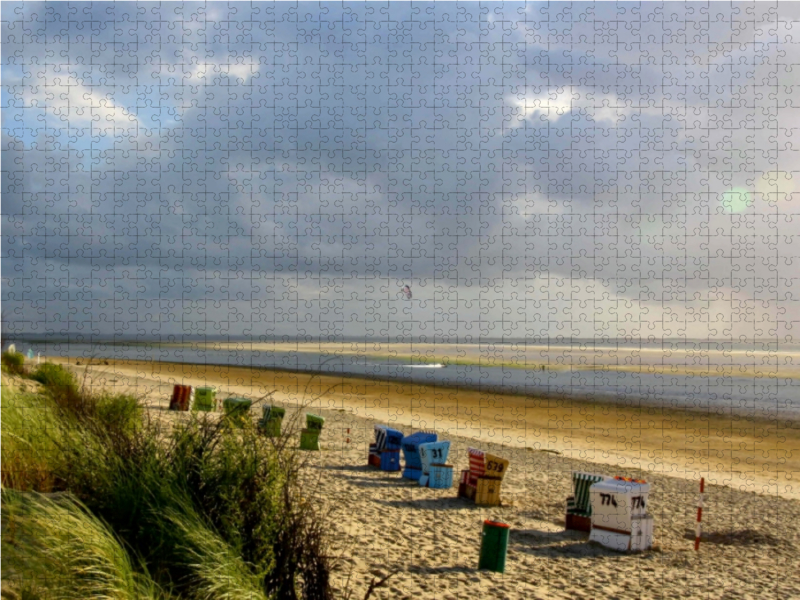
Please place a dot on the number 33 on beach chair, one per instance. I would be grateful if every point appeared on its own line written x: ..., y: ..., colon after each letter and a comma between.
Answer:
x: 411, y: 444
x: 481, y: 482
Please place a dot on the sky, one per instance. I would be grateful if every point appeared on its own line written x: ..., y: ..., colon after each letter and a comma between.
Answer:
x: 530, y: 170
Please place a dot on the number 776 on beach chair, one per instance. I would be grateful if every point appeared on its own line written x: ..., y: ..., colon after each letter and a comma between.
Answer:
x: 579, y: 506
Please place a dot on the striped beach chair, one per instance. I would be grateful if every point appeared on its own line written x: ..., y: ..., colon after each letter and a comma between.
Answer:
x: 482, y: 481
x: 384, y: 453
x: 579, y: 506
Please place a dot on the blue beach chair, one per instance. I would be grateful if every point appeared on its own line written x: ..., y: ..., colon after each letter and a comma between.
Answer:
x: 413, y: 468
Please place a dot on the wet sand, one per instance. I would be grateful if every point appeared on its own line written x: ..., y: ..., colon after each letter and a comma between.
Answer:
x: 721, y: 363
x: 755, y: 455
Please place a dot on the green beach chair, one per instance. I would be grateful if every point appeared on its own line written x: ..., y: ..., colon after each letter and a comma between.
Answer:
x: 237, y: 410
x: 205, y: 398
x: 579, y: 506
x: 271, y: 420
x: 309, y: 437
x: 314, y: 422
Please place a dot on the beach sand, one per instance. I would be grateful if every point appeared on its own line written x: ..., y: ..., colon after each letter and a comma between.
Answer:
x: 430, y: 540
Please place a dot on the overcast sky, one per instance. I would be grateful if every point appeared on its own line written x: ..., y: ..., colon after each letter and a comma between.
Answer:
x: 285, y: 169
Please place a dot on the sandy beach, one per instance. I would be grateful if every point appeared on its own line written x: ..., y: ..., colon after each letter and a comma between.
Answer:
x: 752, y: 455
x: 430, y: 539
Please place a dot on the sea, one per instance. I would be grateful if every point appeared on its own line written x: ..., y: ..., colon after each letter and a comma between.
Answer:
x: 761, y: 397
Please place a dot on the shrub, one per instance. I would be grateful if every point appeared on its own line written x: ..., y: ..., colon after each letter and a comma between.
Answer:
x: 120, y: 414
x: 60, y: 383
x: 29, y: 457
x: 14, y: 362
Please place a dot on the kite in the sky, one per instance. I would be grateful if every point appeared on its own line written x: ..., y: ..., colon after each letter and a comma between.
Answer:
x: 407, y: 291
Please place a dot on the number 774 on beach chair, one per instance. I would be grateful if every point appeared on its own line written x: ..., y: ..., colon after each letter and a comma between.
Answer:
x: 482, y: 481
x: 579, y: 506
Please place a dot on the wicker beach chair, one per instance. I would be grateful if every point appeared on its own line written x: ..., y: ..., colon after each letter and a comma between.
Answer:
x: 411, y: 444
x: 579, y: 506
x: 384, y: 453
x: 434, y: 454
x: 482, y: 481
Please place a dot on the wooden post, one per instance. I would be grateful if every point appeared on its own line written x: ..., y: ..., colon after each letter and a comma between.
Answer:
x: 698, y: 525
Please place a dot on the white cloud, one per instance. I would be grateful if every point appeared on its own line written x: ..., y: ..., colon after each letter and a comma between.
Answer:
x: 552, y: 106
x: 65, y: 97
x: 243, y: 69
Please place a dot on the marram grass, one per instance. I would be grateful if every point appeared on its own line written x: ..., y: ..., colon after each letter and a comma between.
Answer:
x: 55, y: 548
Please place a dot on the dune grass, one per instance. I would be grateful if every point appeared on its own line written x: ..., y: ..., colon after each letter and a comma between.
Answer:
x: 58, y: 549
x: 203, y: 510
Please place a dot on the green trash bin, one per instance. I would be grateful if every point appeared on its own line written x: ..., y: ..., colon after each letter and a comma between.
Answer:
x: 309, y: 439
x: 237, y: 410
x: 494, y: 546
x: 205, y: 398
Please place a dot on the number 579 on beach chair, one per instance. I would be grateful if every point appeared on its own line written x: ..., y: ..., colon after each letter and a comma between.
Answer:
x: 482, y: 481
x: 579, y: 506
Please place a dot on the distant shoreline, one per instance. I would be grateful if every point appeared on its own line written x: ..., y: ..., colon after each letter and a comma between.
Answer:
x: 585, y: 400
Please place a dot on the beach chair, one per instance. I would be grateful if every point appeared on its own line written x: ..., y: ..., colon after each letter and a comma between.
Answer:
x: 434, y: 454
x: 205, y: 398
x: 482, y: 481
x: 384, y: 453
x: 579, y: 507
x: 411, y: 444
x: 271, y: 420
x: 309, y: 437
x: 182, y: 397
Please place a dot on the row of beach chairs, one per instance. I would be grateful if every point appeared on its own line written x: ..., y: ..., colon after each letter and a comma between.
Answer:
x: 237, y: 410
x: 425, y: 458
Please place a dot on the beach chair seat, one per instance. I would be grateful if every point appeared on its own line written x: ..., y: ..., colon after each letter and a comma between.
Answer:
x: 205, y: 399
x: 374, y: 456
x: 271, y: 420
x: 182, y: 397
x: 579, y: 507
x: 237, y: 410
x: 314, y: 422
x: 309, y: 437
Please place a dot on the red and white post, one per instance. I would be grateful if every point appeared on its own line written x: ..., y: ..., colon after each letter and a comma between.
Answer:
x: 698, y: 527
